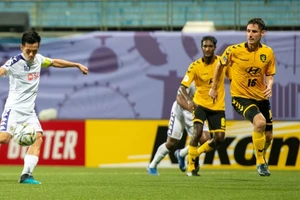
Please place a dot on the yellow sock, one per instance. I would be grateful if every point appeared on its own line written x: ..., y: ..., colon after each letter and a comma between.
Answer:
x: 259, y: 141
x: 204, y: 148
x: 191, y: 158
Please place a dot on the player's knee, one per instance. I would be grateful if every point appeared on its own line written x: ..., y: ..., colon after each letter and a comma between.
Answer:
x: 171, y: 143
x: 259, y: 123
x: 5, y: 137
x: 38, y: 142
x: 219, y: 138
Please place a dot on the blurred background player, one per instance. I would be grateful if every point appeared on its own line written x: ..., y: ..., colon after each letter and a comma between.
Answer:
x: 181, y: 117
x: 201, y: 72
x: 253, y: 68
x: 24, y: 75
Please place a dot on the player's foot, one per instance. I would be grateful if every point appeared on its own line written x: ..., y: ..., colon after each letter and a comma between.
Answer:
x: 180, y: 159
x: 152, y: 171
x: 192, y: 173
x: 262, y: 170
x: 28, y: 179
x: 197, y: 165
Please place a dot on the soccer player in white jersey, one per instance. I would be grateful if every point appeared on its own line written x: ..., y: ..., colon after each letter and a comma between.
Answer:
x: 24, y: 77
x: 181, y: 117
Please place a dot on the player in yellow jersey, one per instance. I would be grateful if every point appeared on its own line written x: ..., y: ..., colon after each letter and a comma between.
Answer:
x: 201, y: 72
x: 253, y: 67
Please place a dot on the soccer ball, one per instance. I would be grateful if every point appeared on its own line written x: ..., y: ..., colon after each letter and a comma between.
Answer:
x: 24, y: 135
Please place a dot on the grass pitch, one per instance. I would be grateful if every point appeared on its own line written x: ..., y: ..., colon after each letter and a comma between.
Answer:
x: 134, y: 183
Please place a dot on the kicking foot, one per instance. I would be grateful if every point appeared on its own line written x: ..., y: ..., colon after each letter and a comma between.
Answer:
x: 28, y: 179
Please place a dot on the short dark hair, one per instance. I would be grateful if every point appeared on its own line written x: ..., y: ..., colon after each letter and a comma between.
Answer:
x: 259, y: 22
x: 211, y: 38
x: 30, y: 37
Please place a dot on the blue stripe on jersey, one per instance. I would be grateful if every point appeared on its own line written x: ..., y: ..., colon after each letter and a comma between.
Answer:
x: 5, y: 116
x: 15, y: 59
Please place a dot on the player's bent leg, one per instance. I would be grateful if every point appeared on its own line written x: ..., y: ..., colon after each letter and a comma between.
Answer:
x: 35, y: 148
x: 259, y: 141
x: 204, y: 137
x: 31, y: 160
x: 192, y: 153
x: 5, y: 137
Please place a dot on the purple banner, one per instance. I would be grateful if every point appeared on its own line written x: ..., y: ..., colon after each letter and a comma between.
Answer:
x: 135, y: 75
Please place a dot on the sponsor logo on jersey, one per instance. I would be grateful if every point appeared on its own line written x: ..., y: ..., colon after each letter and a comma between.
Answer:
x: 253, y: 71
x: 33, y: 76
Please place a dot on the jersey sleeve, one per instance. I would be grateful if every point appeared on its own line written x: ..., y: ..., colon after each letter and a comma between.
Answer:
x: 189, y: 76
x: 226, y: 56
x: 271, y: 69
x: 45, y: 61
x: 10, y: 66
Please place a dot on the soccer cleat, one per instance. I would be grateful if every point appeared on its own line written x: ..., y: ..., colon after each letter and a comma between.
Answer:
x: 28, y: 179
x: 197, y: 166
x: 180, y: 159
x: 192, y: 173
x: 262, y: 170
x: 152, y: 171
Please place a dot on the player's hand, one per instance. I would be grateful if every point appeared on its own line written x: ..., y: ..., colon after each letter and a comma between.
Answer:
x: 191, y: 105
x: 213, y: 93
x: 268, y: 92
x: 83, y: 69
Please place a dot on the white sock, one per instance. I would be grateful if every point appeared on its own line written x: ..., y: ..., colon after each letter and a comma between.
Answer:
x: 30, y: 162
x: 161, y: 152
x: 184, y: 152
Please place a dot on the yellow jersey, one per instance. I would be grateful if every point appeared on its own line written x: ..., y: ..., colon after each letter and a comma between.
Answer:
x: 202, y: 74
x: 248, y: 69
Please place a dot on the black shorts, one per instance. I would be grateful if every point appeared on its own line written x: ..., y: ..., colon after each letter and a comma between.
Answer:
x: 248, y: 108
x: 215, y: 119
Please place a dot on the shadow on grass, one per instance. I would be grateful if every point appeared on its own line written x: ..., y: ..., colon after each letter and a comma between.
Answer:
x: 9, y: 181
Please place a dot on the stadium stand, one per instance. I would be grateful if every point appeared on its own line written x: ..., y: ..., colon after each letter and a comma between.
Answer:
x: 154, y: 14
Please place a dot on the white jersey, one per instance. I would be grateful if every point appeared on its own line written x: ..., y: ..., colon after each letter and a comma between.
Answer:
x: 24, y: 78
x: 181, y: 118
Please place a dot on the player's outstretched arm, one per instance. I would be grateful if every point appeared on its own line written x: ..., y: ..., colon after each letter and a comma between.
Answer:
x: 60, y: 63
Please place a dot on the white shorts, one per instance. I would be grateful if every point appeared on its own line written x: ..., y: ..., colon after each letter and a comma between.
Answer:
x: 10, y: 118
x: 181, y: 119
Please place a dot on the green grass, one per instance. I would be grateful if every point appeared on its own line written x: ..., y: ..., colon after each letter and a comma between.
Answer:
x: 134, y: 183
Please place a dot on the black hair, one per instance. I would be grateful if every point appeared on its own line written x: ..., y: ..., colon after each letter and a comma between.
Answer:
x: 30, y: 37
x: 211, y: 38
x: 259, y: 22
